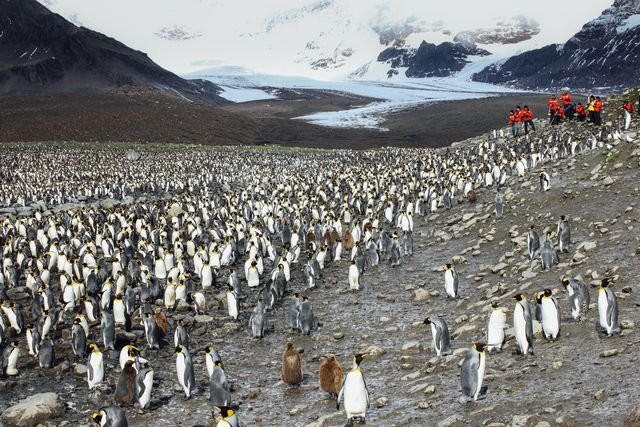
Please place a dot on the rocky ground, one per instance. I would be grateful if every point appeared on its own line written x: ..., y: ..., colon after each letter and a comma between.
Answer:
x: 583, y: 379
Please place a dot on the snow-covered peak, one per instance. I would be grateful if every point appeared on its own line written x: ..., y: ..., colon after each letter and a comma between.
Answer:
x: 326, y: 39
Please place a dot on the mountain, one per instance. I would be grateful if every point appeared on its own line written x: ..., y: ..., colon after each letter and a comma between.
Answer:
x: 604, y: 53
x: 330, y: 39
x: 42, y: 52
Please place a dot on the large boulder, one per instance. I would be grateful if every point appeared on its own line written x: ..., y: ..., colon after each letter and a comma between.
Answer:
x: 34, y: 410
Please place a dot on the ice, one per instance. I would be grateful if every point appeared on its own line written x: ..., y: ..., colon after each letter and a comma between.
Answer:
x: 629, y: 23
x: 244, y: 94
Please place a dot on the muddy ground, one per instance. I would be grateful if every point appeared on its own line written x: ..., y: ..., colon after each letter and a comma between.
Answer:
x: 566, y: 383
x: 150, y: 117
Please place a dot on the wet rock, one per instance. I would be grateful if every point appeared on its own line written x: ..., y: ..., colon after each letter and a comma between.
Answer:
x: 588, y: 246
x: 297, y: 410
x: 430, y: 390
x: 33, y: 410
x: 607, y: 181
x: 411, y: 345
x: 385, y: 319
x: 418, y: 388
x: 543, y: 424
x: 600, y: 394
x: 381, y: 402
x: 557, y: 365
x: 420, y: 294
x: 183, y: 307
x: 338, y: 336
x: 627, y: 324
x: 80, y: 369
x: 449, y: 421
x: 609, y: 353
x: 498, y: 267
x: 411, y: 376
x: 464, y: 329
x: 375, y: 351
x: 423, y: 404
x: 203, y: 318
x: 458, y: 259
x: 520, y: 420
x: 633, y: 417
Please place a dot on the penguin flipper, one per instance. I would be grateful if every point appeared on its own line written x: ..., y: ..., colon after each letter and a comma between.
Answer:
x: 90, y: 372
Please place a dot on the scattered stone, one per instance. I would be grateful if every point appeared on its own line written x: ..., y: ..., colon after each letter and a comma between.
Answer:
x: 338, y: 335
x: 410, y: 345
x: 520, y: 420
x: 609, y: 353
x: 382, y: 402
x: 34, y: 410
x: 203, y: 318
x: 430, y: 390
x: 80, y: 369
x: 420, y: 295
x: 607, y: 181
x: 600, y: 394
x: 557, y: 365
x: 627, y: 324
x: 375, y: 351
x: 297, y: 410
x: 589, y: 246
x: 633, y: 418
x: 449, y: 421
x: 498, y: 267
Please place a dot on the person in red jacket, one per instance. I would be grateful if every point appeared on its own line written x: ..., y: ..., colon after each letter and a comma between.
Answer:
x: 581, y: 112
x: 553, y: 107
x: 627, y: 106
x: 512, y: 122
x: 519, y: 117
x: 597, y: 111
x: 566, y: 99
x: 557, y: 118
x: 527, y: 118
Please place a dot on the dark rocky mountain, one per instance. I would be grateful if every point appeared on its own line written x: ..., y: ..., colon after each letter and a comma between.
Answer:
x: 429, y: 60
x: 41, y: 52
x: 604, y: 53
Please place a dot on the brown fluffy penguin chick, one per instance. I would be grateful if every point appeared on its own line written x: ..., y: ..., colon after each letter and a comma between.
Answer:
x: 291, y: 366
x: 125, y: 390
x: 331, y: 376
x: 348, y: 240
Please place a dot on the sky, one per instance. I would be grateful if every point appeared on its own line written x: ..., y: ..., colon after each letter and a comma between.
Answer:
x: 286, y: 36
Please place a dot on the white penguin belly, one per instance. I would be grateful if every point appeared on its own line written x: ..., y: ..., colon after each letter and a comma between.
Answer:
x: 495, y: 331
x: 549, y: 318
x: 436, y: 344
x: 481, y: 369
x: 180, y: 368
x: 355, y: 395
x: 519, y: 325
x: 602, y: 307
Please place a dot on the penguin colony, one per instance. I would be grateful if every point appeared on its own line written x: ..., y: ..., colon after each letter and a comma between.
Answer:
x: 261, y: 229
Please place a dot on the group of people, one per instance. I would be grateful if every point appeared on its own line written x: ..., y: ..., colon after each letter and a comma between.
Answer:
x: 520, y: 119
x: 565, y: 108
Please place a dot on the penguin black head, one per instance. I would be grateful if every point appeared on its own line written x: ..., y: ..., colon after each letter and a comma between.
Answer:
x: 562, y: 217
x: 178, y: 348
x: 495, y: 304
x: 97, y: 417
x: 427, y: 321
x: 518, y: 297
x: 565, y: 281
x: 539, y: 297
x: 604, y: 283
x: 448, y: 266
x: 479, y: 347
x: 218, y: 363
x: 225, y: 411
x: 547, y: 292
x: 359, y: 357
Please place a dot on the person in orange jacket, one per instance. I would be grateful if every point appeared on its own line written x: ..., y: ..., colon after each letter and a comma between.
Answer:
x: 512, y: 122
x: 597, y: 111
x: 581, y: 112
x: 566, y: 99
x: 527, y: 118
x: 627, y: 106
x: 553, y: 107
x: 557, y: 118
x: 519, y: 117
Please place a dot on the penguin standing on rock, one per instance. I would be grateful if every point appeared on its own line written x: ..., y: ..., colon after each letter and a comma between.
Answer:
x: 331, y: 375
x: 550, y: 316
x: 184, y: 369
x: 523, y: 325
x: 95, y: 367
x: 451, y: 281
x: 110, y: 416
x: 10, y: 356
x: 533, y: 243
x: 495, y: 329
x: 46, y: 354
x: 440, y: 335
x: 564, y: 234
x: 125, y: 389
x: 144, y: 385
x: 472, y: 373
x: 355, y: 393
x: 545, y: 181
x: 219, y: 389
x: 579, y: 298
x: 608, y: 309
x: 291, y: 365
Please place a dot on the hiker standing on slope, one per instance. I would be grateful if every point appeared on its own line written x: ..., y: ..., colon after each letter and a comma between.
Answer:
x: 527, y: 117
x: 581, y: 112
x: 597, y: 111
x: 512, y: 123
x: 553, y: 107
x: 566, y: 102
x: 627, y: 106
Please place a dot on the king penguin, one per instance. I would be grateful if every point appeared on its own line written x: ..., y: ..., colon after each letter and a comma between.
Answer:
x: 331, y: 375
x: 125, y: 389
x: 354, y: 277
x: 219, y: 389
x: 111, y: 416
x: 523, y: 325
x: 306, y: 316
x: 472, y: 372
x: 226, y: 416
x: 184, y: 369
x: 355, y: 393
x: 144, y: 385
x: 550, y: 316
x: 608, y: 309
x: 495, y: 329
x: 440, y: 335
x: 291, y: 365
x: 533, y: 242
x: 564, y: 234
x: 451, y: 281
x: 579, y: 298
x: 10, y: 356
x: 95, y: 367
x: 46, y: 354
